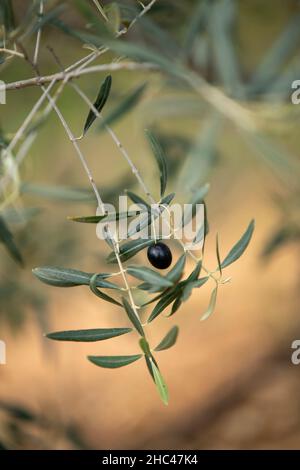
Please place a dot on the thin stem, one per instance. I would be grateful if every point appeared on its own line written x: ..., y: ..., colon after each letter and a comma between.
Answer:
x: 39, y: 33
x: 118, y: 144
x: 77, y: 148
x: 76, y: 73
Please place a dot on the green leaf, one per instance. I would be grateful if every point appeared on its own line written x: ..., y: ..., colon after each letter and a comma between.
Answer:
x: 128, y: 103
x: 222, y: 20
x: 239, y: 247
x: 218, y: 255
x: 153, y: 213
x: 166, y: 300
x: 211, y: 305
x: 98, y: 293
x: 145, y: 347
x: 150, y: 276
x: 7, y: 15
x: 133, y: 317
x: 190, y: 285
x: 139, y: 200
x: 112, y: 362
x: 197, y: 198
x: 99, y: 103
x: 280, y: 51
x: 160, y: 383
x: 58, y: 192
x: 6, y: 237
x: 174, y: 275
x: 129, y: 249
x: 63, y: 277
x: 202, y: 155
x: 160, y: 159
x: 169, y: 340
x: 197, y: 22
x: 99, y: 334
x: 95, y: 219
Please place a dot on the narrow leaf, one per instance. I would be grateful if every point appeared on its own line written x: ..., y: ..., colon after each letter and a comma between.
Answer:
x: 160, y: 383
x: 169, y: 340
x: 95, y: 219
x: 98, y: 293
x: 211, y: 305
x: 160, y: 159
x: 112, y: 362
x: 133, y: 317
x: 99, y: 103
x: 239, y: 247
x: 63, y: 277
x: 6, y: 237
x: 129, y: 249
x: 218, y: 255
x: 88, y: 335
x: 150, y: 276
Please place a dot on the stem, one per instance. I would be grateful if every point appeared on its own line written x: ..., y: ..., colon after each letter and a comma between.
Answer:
x: 78, y: 72
x: 77, y: 148
x: 39, y: 33
x: 118, y: 144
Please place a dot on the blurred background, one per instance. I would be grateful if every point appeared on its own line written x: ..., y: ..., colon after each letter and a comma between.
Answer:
x: 231, y: 380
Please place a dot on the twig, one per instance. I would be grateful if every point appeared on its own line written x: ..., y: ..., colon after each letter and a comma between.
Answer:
x: 113, y: 67
x: 39, y: 33
x: 118, y: 144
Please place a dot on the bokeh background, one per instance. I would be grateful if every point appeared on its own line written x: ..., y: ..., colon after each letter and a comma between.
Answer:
x: 231, y: 381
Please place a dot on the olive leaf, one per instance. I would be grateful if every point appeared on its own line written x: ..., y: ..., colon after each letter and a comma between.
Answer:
x: 211, y: 305
x: 64, y: 277
x: 129, y: 249
x: 160, y: 159
x: 109, y: 217
x: 163, y: 303
x: 133, y: 317
x: 160, y: 383
x: 6, y: 237
x: 7, y: 15
x: 98, y: 334
x: 218, y: 255
x: 150, y: 276
x: 98, y: 293
x: 238, y: 249
x: 138, y: 200
x: 113, y: 362
x: 174, y: 275
x: 99, y: 103
x: 169, y: 340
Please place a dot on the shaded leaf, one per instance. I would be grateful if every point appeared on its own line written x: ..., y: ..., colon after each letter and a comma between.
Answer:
x: 160, y: 159
x: 99, y: 103
x: 133, y: 317
x: 150, y: 276
x: 112, y: 362
x: 63, y: 277
x: 98, y: 334
x: 211, y: 305
x: 218, y: 255
x: 239, y: 248
x: 160, y: 383
x: 163, y: 303
x: 145, y: 347
x: 138, y: 200
x: 129, y: 249
x: 95, y: 219
x: 98, y: 293
x: 169, y: 340
x: 6, y: 237
x: 7, y: 15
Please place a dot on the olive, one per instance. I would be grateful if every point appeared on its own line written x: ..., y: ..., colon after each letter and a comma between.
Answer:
x: 159, y: 255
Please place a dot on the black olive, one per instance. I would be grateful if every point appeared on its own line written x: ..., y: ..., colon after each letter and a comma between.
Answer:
x: 159, y: 255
